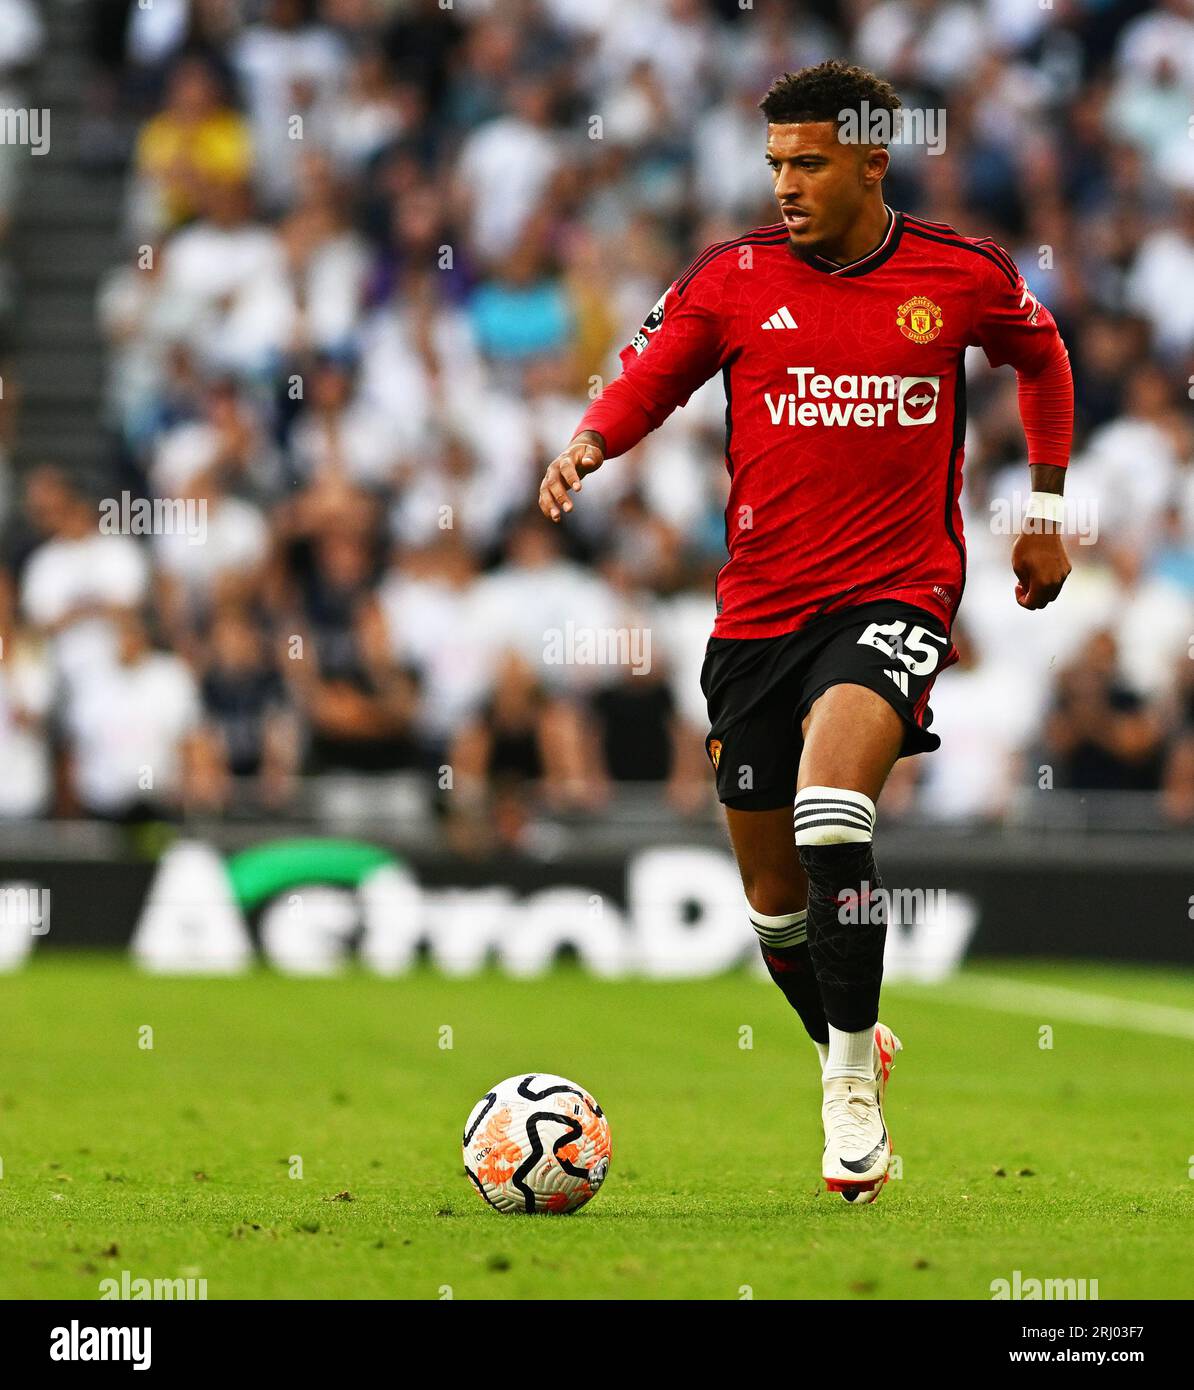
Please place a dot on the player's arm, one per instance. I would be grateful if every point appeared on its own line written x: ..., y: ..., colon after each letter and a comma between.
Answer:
x: 1014, y: 327
x: 679, y: 347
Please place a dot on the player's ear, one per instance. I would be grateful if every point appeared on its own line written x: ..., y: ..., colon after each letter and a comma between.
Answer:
x: 874, y: 164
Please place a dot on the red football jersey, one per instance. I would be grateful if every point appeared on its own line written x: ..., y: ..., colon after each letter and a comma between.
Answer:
x: 845, y: 409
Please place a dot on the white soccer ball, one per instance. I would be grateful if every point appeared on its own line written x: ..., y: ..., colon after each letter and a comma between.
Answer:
x: 536, y: 1143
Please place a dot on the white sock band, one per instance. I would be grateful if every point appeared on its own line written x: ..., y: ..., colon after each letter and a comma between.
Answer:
x: 833, y: 816
x: 786, y: 930
x: 850, y: 1054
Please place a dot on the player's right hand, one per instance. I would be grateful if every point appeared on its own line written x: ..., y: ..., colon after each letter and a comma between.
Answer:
x: 565, y: 471
x: 1041, y: 567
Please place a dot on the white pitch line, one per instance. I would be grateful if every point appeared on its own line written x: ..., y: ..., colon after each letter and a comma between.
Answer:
x: 1045, y: 1001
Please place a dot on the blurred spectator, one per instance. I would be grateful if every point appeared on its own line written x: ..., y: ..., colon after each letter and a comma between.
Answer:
x: 78, y: 585
x: 1161, y: 285
x: 1172, y: 558
x: 1101, y: 359
x: 1131, y: 498
x: 325, y: 261
x: 222, y: 444
x: 250, y: 728
x: 195, y: 141
x: 537, y: 597
x: 361, y: 709
x: 637, y: 713
x: 450, y: 491
x: 984, y: 718
x: 1101, y: 735
x: 130, y: 728
x: 519, y: 736
x: 339, y: 433
x: 919, y: 40
x: 292, y: 70
x: 26, y: 692
x: 140, y: 353
x: 429, y: 618
x: 374, y: 113
x: 421, y: 39
x: 224, y: 285
x: 521, y: 312
x: 506, y: 166
x: 1179, y: 767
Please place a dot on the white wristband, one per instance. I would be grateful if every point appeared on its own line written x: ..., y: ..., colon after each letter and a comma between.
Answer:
x: 1048, y: 506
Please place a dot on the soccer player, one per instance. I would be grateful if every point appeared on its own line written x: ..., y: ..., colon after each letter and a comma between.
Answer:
x: 839, y: 333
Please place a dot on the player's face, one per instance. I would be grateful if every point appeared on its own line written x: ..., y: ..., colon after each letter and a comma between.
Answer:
x: 821, y: 184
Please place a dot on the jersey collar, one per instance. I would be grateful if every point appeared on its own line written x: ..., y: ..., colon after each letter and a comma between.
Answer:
x: 872, y: 259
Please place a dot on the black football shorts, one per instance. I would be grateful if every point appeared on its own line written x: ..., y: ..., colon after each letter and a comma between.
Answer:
x: 759, y: 689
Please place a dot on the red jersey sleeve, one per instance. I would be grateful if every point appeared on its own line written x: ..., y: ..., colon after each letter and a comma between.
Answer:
x: 679, y: 347
x: 1010, y: 324
x: 1013, y: 326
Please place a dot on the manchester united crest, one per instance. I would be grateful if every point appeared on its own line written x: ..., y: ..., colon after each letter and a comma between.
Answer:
x: 715, y: 751
x: 920, y: 319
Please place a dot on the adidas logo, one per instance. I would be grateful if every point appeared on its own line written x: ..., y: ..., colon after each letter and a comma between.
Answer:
x: 900, y: 678
x: 782, y: 318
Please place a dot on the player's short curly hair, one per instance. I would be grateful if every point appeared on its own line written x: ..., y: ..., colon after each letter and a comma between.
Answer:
x: 823, y: 92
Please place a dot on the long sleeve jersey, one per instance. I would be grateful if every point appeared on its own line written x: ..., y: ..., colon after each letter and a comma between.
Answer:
x: 845, y: 409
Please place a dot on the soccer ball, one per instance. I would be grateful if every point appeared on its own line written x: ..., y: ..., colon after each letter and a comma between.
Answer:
x: 536, y: 1143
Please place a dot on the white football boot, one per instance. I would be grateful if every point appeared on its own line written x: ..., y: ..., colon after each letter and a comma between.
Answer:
x: 857, y: 1143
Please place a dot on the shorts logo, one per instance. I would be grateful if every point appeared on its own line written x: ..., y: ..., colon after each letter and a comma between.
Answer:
x: 651, y: 324
x: 920, y: 319
x: 917, y: 401
x: 899, y: 677
x: 714, y: 746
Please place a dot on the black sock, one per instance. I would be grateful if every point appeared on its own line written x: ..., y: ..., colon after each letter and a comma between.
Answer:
x: 791, y: 968
x: 847, y: 929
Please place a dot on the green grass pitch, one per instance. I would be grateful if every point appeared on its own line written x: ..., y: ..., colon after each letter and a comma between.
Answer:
x: 1066, y: 1162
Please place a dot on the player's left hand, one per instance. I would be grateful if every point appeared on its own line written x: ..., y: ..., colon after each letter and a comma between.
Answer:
x: 1041, y: 567
x: 584, y: 455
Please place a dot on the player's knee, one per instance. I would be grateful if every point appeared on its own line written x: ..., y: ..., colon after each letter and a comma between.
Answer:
x: 832, y: 816
x: 772, y: 894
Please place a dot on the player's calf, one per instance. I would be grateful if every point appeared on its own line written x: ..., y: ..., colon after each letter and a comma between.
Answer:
x: 784, y: 943
x: 846, y: 924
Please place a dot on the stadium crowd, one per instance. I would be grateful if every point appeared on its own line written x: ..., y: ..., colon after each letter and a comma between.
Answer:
x: 380, y: 253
